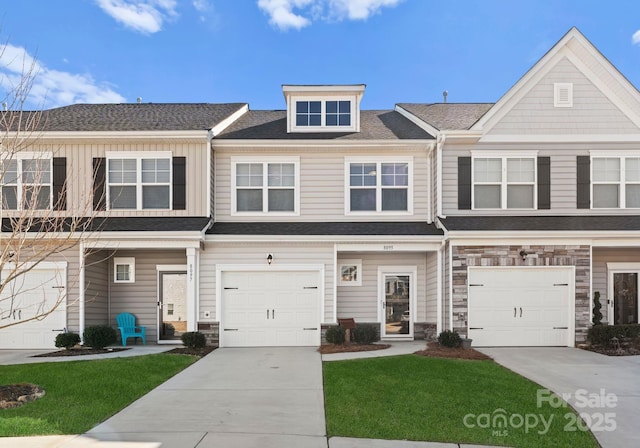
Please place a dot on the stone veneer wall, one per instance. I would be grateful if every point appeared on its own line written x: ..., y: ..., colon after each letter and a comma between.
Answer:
x: 211, y: 331
x: 555, y: 255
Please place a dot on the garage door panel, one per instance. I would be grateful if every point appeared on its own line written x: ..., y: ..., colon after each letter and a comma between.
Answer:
x: 292, y: 300
x: 519, y: 306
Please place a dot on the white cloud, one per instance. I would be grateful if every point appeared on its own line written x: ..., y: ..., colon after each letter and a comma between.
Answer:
x: 145, y: 16
x: 49, y: 88
x: 201, y: 5
x: 636, y: 37
x: 281, y: 12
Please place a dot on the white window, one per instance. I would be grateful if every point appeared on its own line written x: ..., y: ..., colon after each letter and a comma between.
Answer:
x: 27, y: 182
x: 124, y: 269
x: 311, y: 114
x: 139, y: 182
x: 265, y: 186
x: 378, y: 186
x: 504, y: 182
x: 615, y: 182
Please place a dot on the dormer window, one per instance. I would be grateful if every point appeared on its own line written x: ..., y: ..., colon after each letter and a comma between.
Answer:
x: 323, y: 108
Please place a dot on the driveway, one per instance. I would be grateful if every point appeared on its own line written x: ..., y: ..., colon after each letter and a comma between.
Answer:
x: 585, y: 377
x: 267, y: 397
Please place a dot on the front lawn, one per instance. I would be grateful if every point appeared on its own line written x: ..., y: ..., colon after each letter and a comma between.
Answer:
x: 81, y: 394
x: 442, y: 400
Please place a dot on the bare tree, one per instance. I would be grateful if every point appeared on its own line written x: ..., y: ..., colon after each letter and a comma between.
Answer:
x: 37, y: 223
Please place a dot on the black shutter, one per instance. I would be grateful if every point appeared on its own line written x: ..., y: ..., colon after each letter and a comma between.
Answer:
x: 584, y: 182
x: 464, y: 183
x: 59, y: 181
x: 179, y: 183
x: 544, y: 183
x: 99, y: 180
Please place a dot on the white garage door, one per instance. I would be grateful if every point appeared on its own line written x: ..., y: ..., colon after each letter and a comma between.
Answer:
x: 270, y: 309
x: 32, y: 294
x: 520, y: 306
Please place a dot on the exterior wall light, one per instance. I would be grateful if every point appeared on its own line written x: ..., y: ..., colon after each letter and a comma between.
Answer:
x: 269, y: 259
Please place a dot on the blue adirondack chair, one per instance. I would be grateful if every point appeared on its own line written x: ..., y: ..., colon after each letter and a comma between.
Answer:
x: 128, y: 328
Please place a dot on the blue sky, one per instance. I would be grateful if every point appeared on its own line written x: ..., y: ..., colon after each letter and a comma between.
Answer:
x: 243, y: 50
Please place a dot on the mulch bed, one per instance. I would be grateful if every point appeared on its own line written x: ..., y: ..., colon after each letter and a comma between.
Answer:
x: 80, y: 352
x: 15, y: 395
x: 610, y: 351
x: 437, y: 351
x: 327, y: 349
x: 192, y: 351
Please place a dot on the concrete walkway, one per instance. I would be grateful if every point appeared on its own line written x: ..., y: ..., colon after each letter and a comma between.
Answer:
x: 584, y: 377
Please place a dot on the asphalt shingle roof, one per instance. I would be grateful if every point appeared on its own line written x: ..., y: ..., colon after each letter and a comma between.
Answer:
x: 374, y: 125
x: 448, y: 116
x: 119, y: 224
x: 123, y: 117
x: 325, y: 228
x: 542, y: 223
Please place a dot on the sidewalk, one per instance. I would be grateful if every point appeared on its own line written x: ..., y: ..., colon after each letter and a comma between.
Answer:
x: 9, y: 357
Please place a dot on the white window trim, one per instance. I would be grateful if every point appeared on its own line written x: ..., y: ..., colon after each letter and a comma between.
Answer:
x: 557, y: 88
x: 358, y: 264
x: 138, y: 156
x: 265, y: 161
x: 377, y: 160
x: 503, y: 183
x: 323, y: 100
x: 127, y: 261
x: 19, y: 157
x: 622, y: 183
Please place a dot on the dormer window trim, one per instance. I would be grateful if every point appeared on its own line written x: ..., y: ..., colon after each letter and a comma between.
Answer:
x: 324, y: 108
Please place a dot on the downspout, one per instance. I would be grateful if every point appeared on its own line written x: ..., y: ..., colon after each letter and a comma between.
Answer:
x: 210, y: 185
x: 430, y: 149
x: 81, y: 295
x: 440, y: 144
x: 439, y: 287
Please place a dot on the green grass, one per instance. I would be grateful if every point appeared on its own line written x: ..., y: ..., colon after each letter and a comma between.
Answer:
x: 81, y: 394
x: 419, y: 398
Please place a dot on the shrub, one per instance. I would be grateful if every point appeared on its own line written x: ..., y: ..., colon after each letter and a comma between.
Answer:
x: 602, y: 334
x: 365, y: 334
x: 597, y: 315
x: 99, y: 336
x: 194, y: 339
x: 449, y: 338
x: 67, y: 340
x: 335, y: 335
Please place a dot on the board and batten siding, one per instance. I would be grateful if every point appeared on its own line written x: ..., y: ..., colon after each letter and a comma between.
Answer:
x: 563, y: 172
x: 80, y: 174
x: 602, y: 256
x: 322, y: 182
x: 362, y: 302
x: 96, y: 296
x: 140, y: 298
x: 592, y: 112
x: 256, y: 254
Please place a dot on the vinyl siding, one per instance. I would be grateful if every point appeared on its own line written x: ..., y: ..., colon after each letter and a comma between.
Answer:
x: 431, y: 288
x: 563, y: 175
x: 256, y: 254
x: 140, y: 298
x: 322, y: 183
x: 96, y: 294
x: 361, y: 302
x: 592, y: 111
x: 80, y: 175
x: 602, y: 256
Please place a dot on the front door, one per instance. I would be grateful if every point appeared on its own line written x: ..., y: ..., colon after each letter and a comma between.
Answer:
x: 396, y: 307
x: 172, y: 306
x: 625, y: 298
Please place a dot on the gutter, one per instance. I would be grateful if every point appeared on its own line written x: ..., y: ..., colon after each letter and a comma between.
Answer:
x: 442, y: 137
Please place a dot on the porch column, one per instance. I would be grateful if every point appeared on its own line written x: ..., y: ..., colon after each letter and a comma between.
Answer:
x: 193, y: 258
x: 81, y: 297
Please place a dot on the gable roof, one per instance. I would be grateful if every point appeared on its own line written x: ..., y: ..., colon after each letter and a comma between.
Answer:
x: 122, y: 117
x: 374, y: 125
x: 448, y: 116
x: 590, y: 61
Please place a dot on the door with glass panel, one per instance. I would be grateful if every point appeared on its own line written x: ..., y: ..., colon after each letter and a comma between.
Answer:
x: 625, y: 298
x: 396, y: 304
x: 172, y: 305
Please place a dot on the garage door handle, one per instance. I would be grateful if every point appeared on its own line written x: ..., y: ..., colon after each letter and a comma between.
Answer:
x: 476, y: 284
x: 560, y: 328
x: 476, y: 328
x: 58, y: 287
x: 310, y: 287
x: 561, y: 284
x: 228, y: 287
x: 520, y: 311
x: 314, y: 328
x: 515, y: 312
x: 273, y: 314
x: 230, y: 329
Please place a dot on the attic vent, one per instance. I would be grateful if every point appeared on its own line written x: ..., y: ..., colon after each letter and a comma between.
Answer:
x: 563, y: 94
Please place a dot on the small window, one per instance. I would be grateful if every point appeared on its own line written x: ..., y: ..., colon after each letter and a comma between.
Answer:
x: 26, y: 183
x: 139, y: 183
x: 170, y: 309
x: 266, y: 187
x: 615, y: 182
x: 329, y: 115
x: 124, y: 270
x: 563, y: 94
x: 378, y: 187
x: 308, y: 113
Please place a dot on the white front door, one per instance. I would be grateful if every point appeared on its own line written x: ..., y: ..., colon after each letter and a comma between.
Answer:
x: 267, y: 308
x: 397, y: 298
x: 40, y: 294
x: 520, y: 306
